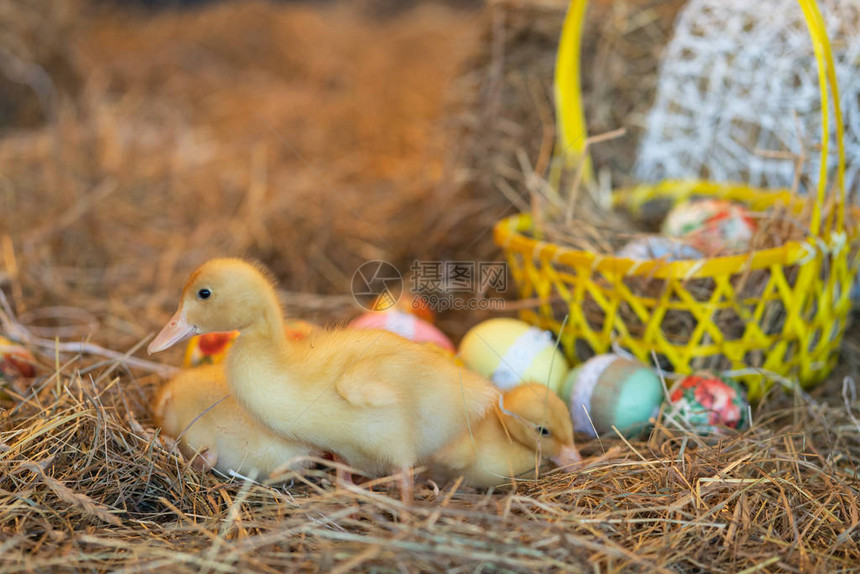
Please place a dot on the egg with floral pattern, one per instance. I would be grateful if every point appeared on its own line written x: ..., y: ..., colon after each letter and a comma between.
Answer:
x: 712, y: 226
x: 709, y: 403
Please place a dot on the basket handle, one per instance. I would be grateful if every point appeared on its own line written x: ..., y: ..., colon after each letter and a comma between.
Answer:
x: 570, y: 117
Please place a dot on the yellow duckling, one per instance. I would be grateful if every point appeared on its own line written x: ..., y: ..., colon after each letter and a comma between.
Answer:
x: 375, y: 399
x: 196, y: 409
x: 532, y: 424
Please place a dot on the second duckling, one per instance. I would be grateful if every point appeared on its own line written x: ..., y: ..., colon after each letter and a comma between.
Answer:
x: 196, y: 409
x: 531, y: 424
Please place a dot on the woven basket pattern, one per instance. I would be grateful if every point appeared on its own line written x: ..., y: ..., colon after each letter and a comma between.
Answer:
x: 781, y: 310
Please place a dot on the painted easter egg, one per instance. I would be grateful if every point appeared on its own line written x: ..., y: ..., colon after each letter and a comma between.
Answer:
x: 611, y: 391
x: 208, y: 349
x: 418, y: 305
x: 510, y: 352
x: 15, y: 360
x: 658, y: 247
x: 713, y: 226
x: 211, y: 348
x: 710, y: 403
x: 404, y: 324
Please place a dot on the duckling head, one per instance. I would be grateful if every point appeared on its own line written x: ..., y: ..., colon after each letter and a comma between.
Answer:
x: 540, y: 420
x: 220, y: 295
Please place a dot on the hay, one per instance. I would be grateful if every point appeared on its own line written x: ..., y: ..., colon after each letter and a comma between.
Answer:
x: 163, y: 161
x: 36, y: 71
x: 86, y: 485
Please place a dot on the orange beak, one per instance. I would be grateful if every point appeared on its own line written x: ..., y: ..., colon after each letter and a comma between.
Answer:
x: 177, y: 329
x: 567, y: 458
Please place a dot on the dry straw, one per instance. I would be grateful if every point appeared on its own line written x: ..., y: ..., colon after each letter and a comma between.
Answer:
x: 102, y: 216
x: 85, y: 485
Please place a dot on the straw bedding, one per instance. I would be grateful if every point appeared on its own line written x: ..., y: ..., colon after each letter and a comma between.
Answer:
x: 240, y: 130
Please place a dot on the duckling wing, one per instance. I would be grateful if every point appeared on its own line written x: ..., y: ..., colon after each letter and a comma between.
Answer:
x: 364, y: 386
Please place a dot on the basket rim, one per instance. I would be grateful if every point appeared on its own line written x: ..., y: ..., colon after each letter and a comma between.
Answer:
x: 509, y: 234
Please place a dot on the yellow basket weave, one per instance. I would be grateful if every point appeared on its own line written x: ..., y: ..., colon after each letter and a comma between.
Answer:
x: 791, y: 324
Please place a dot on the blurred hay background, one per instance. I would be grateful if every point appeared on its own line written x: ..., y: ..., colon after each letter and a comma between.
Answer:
x: 137, y: 144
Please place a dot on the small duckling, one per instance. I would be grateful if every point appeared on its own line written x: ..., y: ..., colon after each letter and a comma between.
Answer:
x: 531, y: 425
x: 378, y: 401
x: 196, y: 408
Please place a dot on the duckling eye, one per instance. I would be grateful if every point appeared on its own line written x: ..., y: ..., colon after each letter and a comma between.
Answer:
x: 204, y: 294
x: 543, y: 431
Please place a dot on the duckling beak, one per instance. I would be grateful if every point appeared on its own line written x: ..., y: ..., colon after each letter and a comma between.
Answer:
x: 567, y: 458
x: 176, y: 330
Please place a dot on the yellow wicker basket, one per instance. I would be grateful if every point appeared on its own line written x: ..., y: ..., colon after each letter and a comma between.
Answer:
x: 791, y: 324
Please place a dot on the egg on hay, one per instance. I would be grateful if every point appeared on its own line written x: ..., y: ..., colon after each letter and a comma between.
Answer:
x: 709, y: 403
x: 15, y: 360
x: 510, y: 352
x: 611, y: 391
x: 407, y: 325
x: 712, y: 226
x: 211, y: 348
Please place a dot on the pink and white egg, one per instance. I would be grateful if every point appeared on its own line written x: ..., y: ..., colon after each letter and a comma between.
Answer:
x: 404, y: 324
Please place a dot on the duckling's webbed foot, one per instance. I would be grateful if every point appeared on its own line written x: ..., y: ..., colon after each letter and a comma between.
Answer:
x: 342, y: 473
x: 407, y: 485
x: 206, y: 459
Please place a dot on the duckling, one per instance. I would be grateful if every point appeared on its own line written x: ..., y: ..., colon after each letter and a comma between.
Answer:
x: 376, y: 400
x: 531, y: 424
x: 196, y: 409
